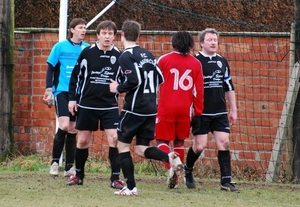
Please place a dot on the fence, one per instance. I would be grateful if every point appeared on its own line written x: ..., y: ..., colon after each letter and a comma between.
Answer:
x: 260, y: 70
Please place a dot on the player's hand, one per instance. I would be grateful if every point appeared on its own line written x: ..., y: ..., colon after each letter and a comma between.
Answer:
x: 72, y: 107
x: 232, y: 117
x: 113, y: 86
x: 48, y: 97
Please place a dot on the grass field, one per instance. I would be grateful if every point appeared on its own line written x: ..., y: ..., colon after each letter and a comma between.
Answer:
x: 35, y: 187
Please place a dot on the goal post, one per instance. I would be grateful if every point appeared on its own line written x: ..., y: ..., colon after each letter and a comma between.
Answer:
x: 282, y: 137
x: 101, y: 13
x: 284, y: 134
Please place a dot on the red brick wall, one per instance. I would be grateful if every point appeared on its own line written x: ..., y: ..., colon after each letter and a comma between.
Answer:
x: 259, y: 66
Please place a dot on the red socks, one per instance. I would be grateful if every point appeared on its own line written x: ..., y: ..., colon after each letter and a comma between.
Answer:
x: 164, y: 147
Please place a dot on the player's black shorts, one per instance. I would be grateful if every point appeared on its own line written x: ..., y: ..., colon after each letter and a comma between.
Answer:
x: 61, y: 105
x: 142, y: 127
x: 205, y: 124
x: 88, y: 119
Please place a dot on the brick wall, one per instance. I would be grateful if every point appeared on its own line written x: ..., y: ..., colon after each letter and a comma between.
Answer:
x: 259, y: 66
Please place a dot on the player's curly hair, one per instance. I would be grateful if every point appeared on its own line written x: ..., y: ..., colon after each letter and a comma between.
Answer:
x: 183, y: 42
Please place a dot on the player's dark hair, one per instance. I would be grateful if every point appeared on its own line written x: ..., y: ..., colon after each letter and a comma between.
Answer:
x: 106, y: 24
x: 183, y: 42
x: 74, y: 23
x: 202, y: 34
x: 131, y: 30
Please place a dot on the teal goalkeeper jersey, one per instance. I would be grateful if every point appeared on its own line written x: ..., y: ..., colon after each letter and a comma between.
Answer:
x: 63, y: 57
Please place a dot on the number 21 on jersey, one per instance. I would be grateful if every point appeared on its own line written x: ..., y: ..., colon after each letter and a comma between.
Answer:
x: 149, y: 82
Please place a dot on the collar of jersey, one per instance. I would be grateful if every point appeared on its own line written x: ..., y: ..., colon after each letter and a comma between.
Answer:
x: 73, y: 43
x: 210, y: 56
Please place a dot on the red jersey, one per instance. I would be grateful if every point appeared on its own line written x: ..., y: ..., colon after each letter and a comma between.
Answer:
x: 182, y: 94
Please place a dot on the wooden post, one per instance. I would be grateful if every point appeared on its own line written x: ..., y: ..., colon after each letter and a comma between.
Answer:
x: 296, y: 114
x: 285, y: 121
x: 6, y: 77
x: 289, y: 143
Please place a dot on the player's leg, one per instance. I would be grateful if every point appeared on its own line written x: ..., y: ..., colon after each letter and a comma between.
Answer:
x: 164, y: 134
x: 62, y: 112
x: 221, y: 133
x: 200, y: 129
x: 87, y: 121
x: 81, y: 155
x: 109, y: 122
x: 145, y: 135
x: 127, y: 128
x: 70, y: 147
x: 194, y: 152
x: 113, y: 155
x: 222, y: 140
x: 182, y: 131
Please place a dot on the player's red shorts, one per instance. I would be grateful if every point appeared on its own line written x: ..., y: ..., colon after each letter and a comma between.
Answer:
x: 168, y: 131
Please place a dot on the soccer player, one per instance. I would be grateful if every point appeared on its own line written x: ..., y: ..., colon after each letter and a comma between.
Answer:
x: 140, y: 78
x: 61, y: 61
x: 92, y: 101
x: 180, y: 97
x: 214, y: 118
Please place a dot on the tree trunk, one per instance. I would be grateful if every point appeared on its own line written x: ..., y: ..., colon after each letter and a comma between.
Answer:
x: 6, y: 76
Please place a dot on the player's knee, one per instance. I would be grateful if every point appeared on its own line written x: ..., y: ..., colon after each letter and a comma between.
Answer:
x: 223, y: 144
x: 82, y: 143
x: 199, y: 148
x: 64, y: 127
x: 112, y: 141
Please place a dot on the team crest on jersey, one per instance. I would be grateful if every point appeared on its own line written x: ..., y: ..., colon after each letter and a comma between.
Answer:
x: 219, y: 63
x: 113, y: 59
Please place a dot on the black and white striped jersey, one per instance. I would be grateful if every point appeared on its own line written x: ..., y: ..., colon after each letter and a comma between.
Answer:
x: 140, y: 78
x: 217, y: 81
x: 90, y: 79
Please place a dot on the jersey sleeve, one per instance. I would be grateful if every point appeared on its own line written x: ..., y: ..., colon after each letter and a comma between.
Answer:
x: 49, y: 76
x: 198, y: 92
x: 227, y: 78
x: 53, y: 57
x: 131, y: 77
x: 77, y: 76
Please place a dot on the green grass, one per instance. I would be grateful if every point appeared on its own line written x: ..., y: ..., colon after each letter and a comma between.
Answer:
x: 25, y: 181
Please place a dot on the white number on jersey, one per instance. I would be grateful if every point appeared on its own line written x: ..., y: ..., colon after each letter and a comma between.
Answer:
x: 149, y: 82
x: 179, y: 81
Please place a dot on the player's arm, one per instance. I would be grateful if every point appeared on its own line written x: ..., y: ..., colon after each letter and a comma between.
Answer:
x: 230, y: 94
x: 233, y: 109
x: 48, y: 97
x: 131, y: 75
x: 75, y: 84
x: 198, y: 92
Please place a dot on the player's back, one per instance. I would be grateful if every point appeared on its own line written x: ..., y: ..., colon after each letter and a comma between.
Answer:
x: 181, y: 73
x: 141, y: 79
